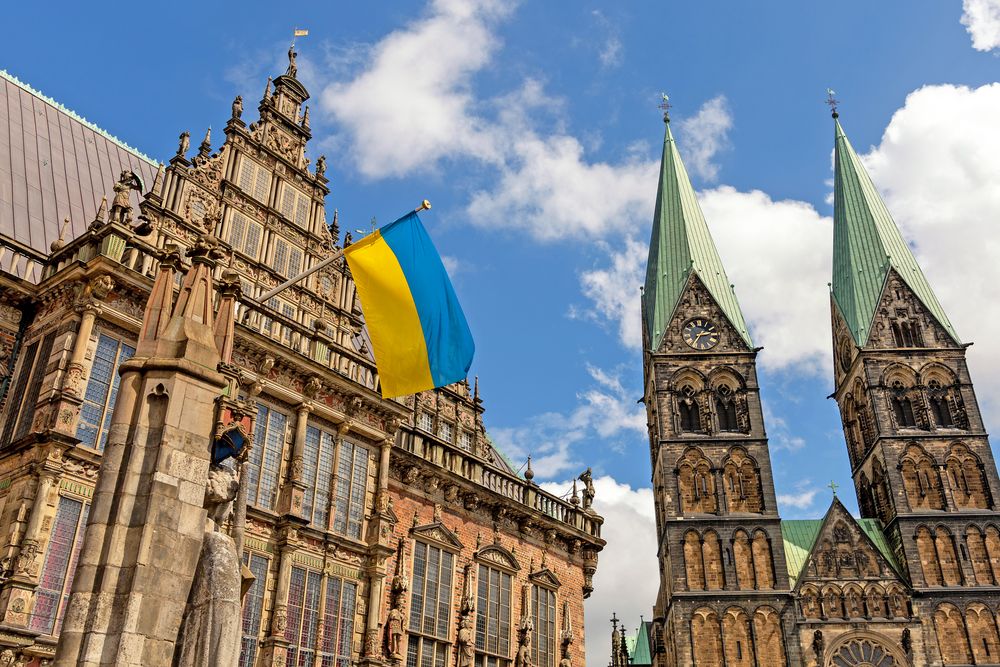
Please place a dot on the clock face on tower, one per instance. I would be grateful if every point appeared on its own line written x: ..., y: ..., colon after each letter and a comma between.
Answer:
x: 700, y: 334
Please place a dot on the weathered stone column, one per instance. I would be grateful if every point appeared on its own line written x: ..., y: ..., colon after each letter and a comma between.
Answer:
x: 379, y: 533
x: 293, y: 493
x: 274, y: 648
x: 147, y: 520
x: 76, y: 368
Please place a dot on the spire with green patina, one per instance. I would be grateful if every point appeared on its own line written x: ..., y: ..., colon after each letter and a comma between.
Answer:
x: 680, y: 245
x: 866, y: 245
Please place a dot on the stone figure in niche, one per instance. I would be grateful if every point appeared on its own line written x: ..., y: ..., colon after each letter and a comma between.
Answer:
x: 566, y: 660
x: 523, y: 658
x: 211, y: 628
x: 818, y: 645
x: 466, y: 648
x: 238, y: 107
x: 588, y: 488
x: 394, y: 630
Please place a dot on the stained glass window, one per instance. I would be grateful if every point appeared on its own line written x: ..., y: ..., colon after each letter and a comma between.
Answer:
x: 52, y: 594
x: 102, y: 390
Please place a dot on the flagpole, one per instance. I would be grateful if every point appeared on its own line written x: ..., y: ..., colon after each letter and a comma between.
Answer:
x: 263, y: 298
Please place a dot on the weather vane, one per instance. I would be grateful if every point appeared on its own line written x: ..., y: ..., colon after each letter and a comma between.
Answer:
x: 833, y: 486
x: 665, y: 105
x: 832, y: 101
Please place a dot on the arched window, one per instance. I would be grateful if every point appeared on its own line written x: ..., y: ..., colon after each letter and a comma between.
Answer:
x: 966, y: 476
x: 742, y: 480
x: 689, y: 411
x: 696, y: 483
x: 947, y: 558
x: 711, y: 550
x: 832, y: 606
x: 928, y: 557
x: 762, y: 566
x: 743, y: 559
x: 706, y: 638
x: 767, y: 633
x: 953, y: 641
x: 921, y: 479
x: 693, y: 564
x: 725, y: 408
x: 940, y: 404
x: 737, y: 638
x: 979, y: 557
x: 902, y: 407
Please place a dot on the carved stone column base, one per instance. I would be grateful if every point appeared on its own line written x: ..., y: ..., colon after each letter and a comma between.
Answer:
x: 15, y: 601
x: 274, y: 652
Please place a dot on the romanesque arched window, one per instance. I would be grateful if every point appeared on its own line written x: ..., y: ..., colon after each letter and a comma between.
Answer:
x: 992, y: 540
x: 906, y: 333
x: 689, y: 410
x: 736, y: 638
x: 866, y: 499
x: 742, y: 480
x: 696, y: 483
x: 852, y: 430
x: 953, y: 641
x: 725, y: 409
x: 966, y: 476
x: 883, y: 506
x: 706, y: 639
x: 944, y: 544
x: 982, y: 634
x: 711, y: 550
x: 979, y: 557
x: 743, y: 561
x: 763, y: 566
x: 767, y: 632
x: 694, y: 566
x: 928, y: 557
x: 921, y: 479
x: 902, y: 406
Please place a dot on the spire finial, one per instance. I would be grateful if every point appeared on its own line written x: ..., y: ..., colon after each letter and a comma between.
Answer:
x: 833, y: 487
x: 665, y: 105
x: 529, y: 474
x: 832, y: 101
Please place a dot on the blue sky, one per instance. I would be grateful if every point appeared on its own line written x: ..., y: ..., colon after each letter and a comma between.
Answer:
x: 533, y: 129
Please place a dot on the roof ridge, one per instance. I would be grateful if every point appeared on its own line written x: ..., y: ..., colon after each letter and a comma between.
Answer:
x: 77, y: 117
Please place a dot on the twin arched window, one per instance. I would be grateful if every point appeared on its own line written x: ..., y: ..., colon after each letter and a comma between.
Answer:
x: 725, y: 399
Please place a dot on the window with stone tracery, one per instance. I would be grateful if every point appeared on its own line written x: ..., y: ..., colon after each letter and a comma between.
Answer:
x: 102, y: 390
x: 295, y: 205
x: 493, y: 617
x: 430, y: 606
x: 902, y: 406
x: 253, y: 608
x: 690, y: 416
x: 56, y: 579
x: 725, y: 409
x: 863, y: 653
x: 968, y: 483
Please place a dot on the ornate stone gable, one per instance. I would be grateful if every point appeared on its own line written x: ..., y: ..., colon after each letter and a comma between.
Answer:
x: 545, y: 577
x: 497, y: 555
x: 696, y: 302
x: 902, y: 320
x: 439, y: 534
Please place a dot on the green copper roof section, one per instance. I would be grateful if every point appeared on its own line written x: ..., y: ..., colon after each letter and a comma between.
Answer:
x: 874, y: 532
x: 639, y: 646
x: 680, y: 244
x: 866, y: 244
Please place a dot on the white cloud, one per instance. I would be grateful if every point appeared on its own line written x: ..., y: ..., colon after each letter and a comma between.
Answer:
x: 611, y: 52
x: 705, y: 134
x: 614, y: 291
x: 938, y: 164
x: 413, y: 105
x: 982, y: 19
x: 606, y: 410
x: 627, y: 573
x: 801, y: 499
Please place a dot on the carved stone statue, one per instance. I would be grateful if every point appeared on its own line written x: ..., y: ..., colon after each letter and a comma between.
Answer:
x: 185, y: 143
x: 293, y: 69
x: 394, y: 630
x: 566, y: 660
x: 211, y: 628
x: 321, y: 165
x: 7, y: 658
x: 466, y: 647
x: 523, y: 658
x: 121, y: 208
x: 238, y: 107
x: 818, y: 645
x: 588, y: 488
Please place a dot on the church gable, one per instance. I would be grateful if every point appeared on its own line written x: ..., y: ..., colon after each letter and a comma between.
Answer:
x: 439, y: 534
x: 699, y: 324
x: 902, y: 319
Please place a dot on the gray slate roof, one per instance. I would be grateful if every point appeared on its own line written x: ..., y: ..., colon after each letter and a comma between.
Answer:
x: 54, y: 164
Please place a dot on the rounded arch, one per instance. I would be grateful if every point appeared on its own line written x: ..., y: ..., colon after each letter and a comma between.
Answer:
x: 687, y: 376
x: 897, y: 601
x: 743, y: 560
x: 741, y: 476
x: 770, y: 644
x: 928, y: 556
x: 695, y: 482
x: 953, y: 639
x: 862, y: 647
x: 694, y: 566
x: 726, y: 375
x: 763, y: 565
x: 706, y: 637
x: 965, y: 473
x: 809, y: 601
x: 876, y: 601
x: 975, y: 541
x: 854, y: 601
x: 921, y: 479
x: 833, y: 603
x: 897, y: 372
x: 944, y: 543
x: 736, y: 638
x: 935, y: 370
x: 711, y: 554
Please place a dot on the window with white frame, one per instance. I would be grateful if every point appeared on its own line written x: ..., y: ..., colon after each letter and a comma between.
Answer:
x: 264, y: 462
x: 245, y: 234
x: 102, y: 390
x: 295, y: 205
x: 349, y: 489
x: 543, y: 611
x: 56, y: 580
x: 493, y: 618
x: 465, y: 440
x: 254, y: 179
x: 430, y: 606
x: 304, y: 590
x: 253, y: 608
x: 23, y: 395
x: 425, y: 421
x: 317, y: 472
x: 446, y: 431
x: 338, y: 622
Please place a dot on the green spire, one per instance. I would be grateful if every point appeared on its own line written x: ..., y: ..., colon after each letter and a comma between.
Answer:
x: 866, y: 244
x: 680, y: 244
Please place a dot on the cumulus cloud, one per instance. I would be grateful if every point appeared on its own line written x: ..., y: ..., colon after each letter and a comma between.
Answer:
x: 429, y: 64
x: 630, y: 557
x: 938, y: 165
x: 705, y: 134
x: 795, y: 504
x: 606, y: 410
x: 981, y: 19
x: 614, y: 291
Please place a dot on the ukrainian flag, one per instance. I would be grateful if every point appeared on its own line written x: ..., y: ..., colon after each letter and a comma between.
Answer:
x: 419, y: 334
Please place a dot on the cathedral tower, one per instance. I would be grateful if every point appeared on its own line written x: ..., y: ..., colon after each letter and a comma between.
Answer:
x: 919, y: 452
x: 723, y: 580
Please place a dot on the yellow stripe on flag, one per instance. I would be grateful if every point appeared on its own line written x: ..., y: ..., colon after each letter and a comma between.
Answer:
x: 391, y: 315
x: 301, y: 33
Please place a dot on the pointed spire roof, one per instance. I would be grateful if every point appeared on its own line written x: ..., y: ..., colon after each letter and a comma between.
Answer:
x: 866, y: 244
x: 681, y: 244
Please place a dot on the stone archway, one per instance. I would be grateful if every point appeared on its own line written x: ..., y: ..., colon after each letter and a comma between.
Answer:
x: 864, y: 649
